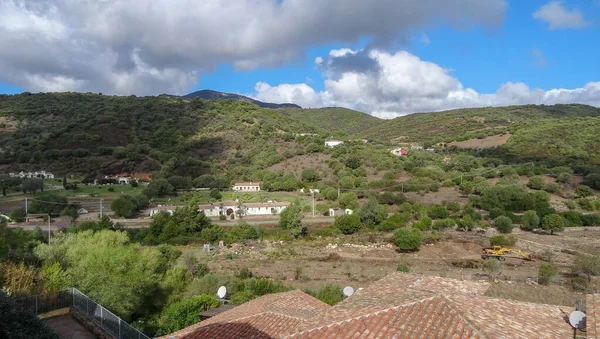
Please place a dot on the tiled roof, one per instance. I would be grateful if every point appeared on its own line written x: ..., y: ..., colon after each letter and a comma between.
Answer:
x: 292, y: 308
x: 226, y: 203
x: 267, y: 204
x: 593, y: 315
x: 430, y: 317
x: 247, y: 184
x: 398, y: 306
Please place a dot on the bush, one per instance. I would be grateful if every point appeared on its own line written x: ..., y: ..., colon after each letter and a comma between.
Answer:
x: 244, y: 273
x: 212, y: 234
x: 587, y: 264
x: 393, y: 222
x: 184, y: 313
x: 18, y: 323
x: 530, y: 220
x: 348, y: 224
x: 437, y: 212
x: 503, y: 240
x: 491, y: 266
x: 18, y: 214
x: 444, y: 223
x: 571, y: 205
x: 331, y: 294
x: 553, y: 223
x: 573, y: 218
x: 592, y: 219
x: 244, y: 231
x: 496, y: 212
x: 584, y: 191
x: 423, y: 224
x: 402, y: 267
x: 546, y: 273
x: 503, y: 224
x: 453, y: 206
x: 408, y: 239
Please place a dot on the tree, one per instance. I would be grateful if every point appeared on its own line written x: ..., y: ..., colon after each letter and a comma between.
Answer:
x: 546, y: 273
x: 107, y: 267
x: 310, y: 175
x: 32, y: 185
x: 348, y: 224
x: 537, y: 182
x: 423, y: 224
x: 372, y: 214
x: 18, y: 214
x: 503, y: 224
x: 407, y: 239
x: 553, y: 223
x: 349, y: 200
x: 564, y: 178
x: 584, y: 191
x: 159, y: 188
x: 291, y: 217
x: 438, y: 212
x: 123, y: 207
x: 466, y: 223
x: 353, y: 162
x: 592, y: 180
x: 215, y: 194
x: 71, y: 212
x: 18, y: 323
x: 48, y: 203
x: 184, y: 313
x: 530, y: 220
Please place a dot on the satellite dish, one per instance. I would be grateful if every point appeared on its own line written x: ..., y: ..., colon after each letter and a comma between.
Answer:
x: 222, y: 292
x: 577, y: 320
x: 348, y: 291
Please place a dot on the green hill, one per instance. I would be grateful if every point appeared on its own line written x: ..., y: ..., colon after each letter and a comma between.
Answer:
x: 95, y: 134
x: 333, y: 119
x: 463, y: 124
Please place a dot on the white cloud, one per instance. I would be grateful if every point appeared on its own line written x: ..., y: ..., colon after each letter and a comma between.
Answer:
x: 425, y: 39
x: 402, y: 83
x: 150, y: 47
x: 557, y: 16
x: 538, y: 57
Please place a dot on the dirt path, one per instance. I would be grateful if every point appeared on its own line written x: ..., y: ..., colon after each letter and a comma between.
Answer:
x: 69, y: 328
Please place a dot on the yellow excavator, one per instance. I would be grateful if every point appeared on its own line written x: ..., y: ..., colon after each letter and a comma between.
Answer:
x: 501, y: 253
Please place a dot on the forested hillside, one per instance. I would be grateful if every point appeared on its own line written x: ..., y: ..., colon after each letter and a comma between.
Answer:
x: 94, y: 134
x: 334, y: 119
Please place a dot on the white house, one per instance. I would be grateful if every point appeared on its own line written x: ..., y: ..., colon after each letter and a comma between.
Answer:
x: 265, y: 208
x: 247, y: 187
x: 40, y: 175
x: 226, y: 208
x: 336, y: 212
x: 333, y: 143
x: 166, y: 209
x: 124, y: 180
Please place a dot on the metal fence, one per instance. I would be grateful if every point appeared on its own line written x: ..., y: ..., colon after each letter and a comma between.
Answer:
x: 104, y: 318
x: 112, y: 324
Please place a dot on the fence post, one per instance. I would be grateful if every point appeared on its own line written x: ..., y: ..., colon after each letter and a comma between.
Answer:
x: 119, y: 328
x: 73, y: 294
x: 101, y: 316
x: 87, y: 307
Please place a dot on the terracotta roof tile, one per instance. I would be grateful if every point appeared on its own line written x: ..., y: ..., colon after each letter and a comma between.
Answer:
x: 593, y: 315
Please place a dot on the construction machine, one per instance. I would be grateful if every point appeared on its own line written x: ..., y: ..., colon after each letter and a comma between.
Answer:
x: 501, y: 253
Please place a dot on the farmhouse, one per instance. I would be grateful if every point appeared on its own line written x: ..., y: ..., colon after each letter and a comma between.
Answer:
x: 400, y: 305
x: 40, y: 175
x: 265, y: 208
x: 247, y: 187
x: 400, y: 152
x: 165, y: 208
x: 333, y: 143
x: 227, y: 208
x: 231, y: 209
x: 336, y: 212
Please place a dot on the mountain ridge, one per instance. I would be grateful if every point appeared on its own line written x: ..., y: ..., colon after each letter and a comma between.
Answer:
x: 208, y: 94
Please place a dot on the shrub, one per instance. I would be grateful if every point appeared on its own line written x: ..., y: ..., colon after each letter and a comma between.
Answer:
x: 16, y: 322
x: 244, y: 231
x: 331, y: 294
x: 466, y: 223
x: 402, y: 267
x: 444, y: 223
x: 242, y: 297
x: 407, y: 239
x: 348, y: 224
x: 571, y: 205
x: 244, y: 273
x: 530, y: 220
x: 573, y: 218
x: 184, y: 313
x: 453, y: 206
x: 587, y: 264
x: 553, y: 223
x: 503, y: 224
x: 424, y: 223
x: 212, y: 234
x: 437, y: 212
x: 496, y: 212
x: 18, y: 214
x: 491, y: 266
x: 395, y: 221
x: 503, y: 240
x: 546, y: 273
x: 584, y: 191
x: 592, y: 219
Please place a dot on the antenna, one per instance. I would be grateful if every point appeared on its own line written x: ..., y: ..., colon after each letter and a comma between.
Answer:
x: 348, y: 291
x: 577, y: 320
x: 222, y: 292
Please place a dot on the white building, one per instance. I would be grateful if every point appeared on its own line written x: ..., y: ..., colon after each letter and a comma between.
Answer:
x: 333, y: 143
x: 265, y: 208
x: 336, y: 212
x: 124, y: 180
x: 226, y: 208
x: 247, y: 187
x: 166, y: 209
x: 82, y: 211
x: 40, y: 175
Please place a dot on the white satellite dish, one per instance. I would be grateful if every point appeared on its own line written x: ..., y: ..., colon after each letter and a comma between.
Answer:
x: 222, y: 292
x: 577, y: 320
x: 348, y: 291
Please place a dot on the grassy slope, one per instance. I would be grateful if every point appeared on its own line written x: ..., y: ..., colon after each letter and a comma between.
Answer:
x: 446, y: 126
x: 334, y: 119
x: 95, y: 134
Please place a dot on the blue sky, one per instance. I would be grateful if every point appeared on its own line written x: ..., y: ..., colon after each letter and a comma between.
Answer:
x: 493, y: 52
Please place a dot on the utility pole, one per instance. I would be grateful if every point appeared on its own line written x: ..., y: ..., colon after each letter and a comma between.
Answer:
x: 338, y: 192
x: 101, y: 207
x: 26, y: 214
x: 402, y: 187
x: 313, y: 193
x: 461, y: 179
x: 48, y: 228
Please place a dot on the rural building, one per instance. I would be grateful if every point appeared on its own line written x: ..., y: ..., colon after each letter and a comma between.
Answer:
x: 231, y: 209
x: 400, y: 305
x: 40, y: 175
x: 124, y: 180
x: 226, y: 208
x: 247, y: 187
x: 166, y: 209
x: 400, y: 152
x: 82, y: 211
x: 416, y: 147
x: 336, y: 212
x: 333, y: 143
x: 264, y: 208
